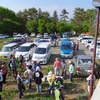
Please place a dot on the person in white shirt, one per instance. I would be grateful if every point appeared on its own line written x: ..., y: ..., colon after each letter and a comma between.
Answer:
x: 89, y: 78
x: 27, y: 63
x: 1, y: 80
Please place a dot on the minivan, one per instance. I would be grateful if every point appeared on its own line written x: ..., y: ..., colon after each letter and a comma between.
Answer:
x: 66, y: 50
x: 9, y: 50
x: 26, y: 50
x: 42, y: 53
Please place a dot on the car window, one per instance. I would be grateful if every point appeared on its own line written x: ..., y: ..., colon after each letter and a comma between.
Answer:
x: 7, y: 49
x: 67, y: 47
x: 85, y: 61
x: 40, y: 50
x: 23, y: 48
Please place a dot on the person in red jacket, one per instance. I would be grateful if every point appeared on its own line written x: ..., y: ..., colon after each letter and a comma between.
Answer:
x: 77, y: 46
x: 57, y: 64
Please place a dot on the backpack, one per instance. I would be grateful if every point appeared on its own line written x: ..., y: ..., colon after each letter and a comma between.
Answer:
x: 60, y: 79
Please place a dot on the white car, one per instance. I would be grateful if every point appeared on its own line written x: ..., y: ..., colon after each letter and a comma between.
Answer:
x: 9, y: 50
x: 15, y: 34
x: 88, y: 43
x: 32, y: 35
x: 98, y: 52
x: 2, y: 36
x: 82, y: 35
x: 42, y: 53
x: 45, y: 34
x: 39, y: 35
x: 26, y: 49
x: 18, y: 36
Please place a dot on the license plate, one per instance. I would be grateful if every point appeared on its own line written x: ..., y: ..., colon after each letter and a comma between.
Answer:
x: 2, y: 56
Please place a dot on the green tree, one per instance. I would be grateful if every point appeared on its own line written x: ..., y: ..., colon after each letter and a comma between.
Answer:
x: 79, y: 16
x: 64, y: 15
x: 45, y: 14
x: 55, y: 17
x: 31, y: 26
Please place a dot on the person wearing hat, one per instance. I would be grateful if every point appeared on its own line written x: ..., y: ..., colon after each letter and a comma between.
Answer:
x: 71, y: 71
x: 38, y: 79
x: 1, y: 80
x: 13, y: 66
x: 27, y: 63
x: 64, y: 65
x: 58, y: 93
x: 4, y: 71
x: 35, y: 65
x: 49, y: 79
x: 57, y: 64
x: 89, y: 78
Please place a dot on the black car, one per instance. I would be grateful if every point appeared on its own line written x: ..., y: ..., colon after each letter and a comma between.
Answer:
x: 19, y: 41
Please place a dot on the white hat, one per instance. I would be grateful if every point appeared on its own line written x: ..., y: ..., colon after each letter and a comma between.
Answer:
x: 69, y: 62
x: 50, y: 73
x: 26, y: 59
x: 38, y: 68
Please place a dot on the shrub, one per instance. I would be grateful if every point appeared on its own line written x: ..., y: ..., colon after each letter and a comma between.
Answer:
x: 48, y: 69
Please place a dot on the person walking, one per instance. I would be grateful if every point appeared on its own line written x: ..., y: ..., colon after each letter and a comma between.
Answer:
x: 58, y: 93
x: 4, y: 71
x: 38, y: 79
x: 74, y: 46
x: 89, y: 78
x: 71, y: 71
x: 13, y: 66
x: 77, y: 46
x: 21, y: 60
x: 29, y: 74
x: 64, y: 65
x: 1, y: 80
x: 49, y: 79
x: 20, y: 85
x: 57, y: 64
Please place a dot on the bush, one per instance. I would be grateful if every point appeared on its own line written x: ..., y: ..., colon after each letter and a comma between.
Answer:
x: 48, y: 69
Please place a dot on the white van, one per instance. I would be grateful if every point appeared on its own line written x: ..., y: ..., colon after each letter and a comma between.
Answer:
x: 26, y: 50
x: 9, y: 50
x: 42, y: 53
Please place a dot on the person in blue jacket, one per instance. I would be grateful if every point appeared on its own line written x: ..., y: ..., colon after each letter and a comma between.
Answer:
x: 35, y: 65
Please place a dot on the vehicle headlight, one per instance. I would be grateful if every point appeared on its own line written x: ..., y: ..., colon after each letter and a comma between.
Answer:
x: 45, y: 57
x: 61, y: 52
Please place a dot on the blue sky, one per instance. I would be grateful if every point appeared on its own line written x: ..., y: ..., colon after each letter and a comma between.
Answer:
x: 47, y: 5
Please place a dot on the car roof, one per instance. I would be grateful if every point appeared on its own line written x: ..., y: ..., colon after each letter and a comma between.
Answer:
x: 43, y: 45
x: 11, y: 44
x: 66, y: 42
x: 27, y: 44
x: 83, y: 57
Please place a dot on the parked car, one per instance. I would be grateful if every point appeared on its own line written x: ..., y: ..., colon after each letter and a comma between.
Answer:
x: 39, y: 35
x: 83, y: 64
x: 7, y: 36
x: 65, y: 40
x: 32, y: 35
x: 65, y: 37
x: 45, y: 34
x: 66, y: 50
x: 26, y: 49
x: 81, y: 35
x: 64, y: 34
x: 15, y: 34
x: 19, y: 41
x: 2, y: 36
x: 88, y: 42
x: 42, y: 53
x: 9, y: 50
x: 18, y: 36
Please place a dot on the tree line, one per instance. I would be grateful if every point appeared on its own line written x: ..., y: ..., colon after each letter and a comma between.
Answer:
x: 33, y: 20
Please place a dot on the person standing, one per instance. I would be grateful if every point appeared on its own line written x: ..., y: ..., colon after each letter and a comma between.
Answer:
x: 20, y: 85
x: 77, y: 46
x: 71, y: 71
x: 57, y: 41
x: 38, y: 79
x: 54, y: 43
x: 35, y: 65
x: 89, y: 78
x: 4, y: 71
x: 27, y: 63
x: 64, y: 65
x: 58, y: 93
x: 1, y: 80
x: 21, y: 60
x: 13, y: 66
x: 49, y: 79
x: 29, y: 74
x: 57, y: 64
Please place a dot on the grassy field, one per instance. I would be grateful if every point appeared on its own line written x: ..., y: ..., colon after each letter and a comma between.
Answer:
x: 72, y: 91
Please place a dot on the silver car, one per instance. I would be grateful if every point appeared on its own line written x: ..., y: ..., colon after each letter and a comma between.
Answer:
x: 83, y: 64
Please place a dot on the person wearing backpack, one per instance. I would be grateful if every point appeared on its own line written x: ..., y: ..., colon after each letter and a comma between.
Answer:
x: 29, y: 74
x: 4, y: 71
x: 1, y: 80
x: 20, y: 85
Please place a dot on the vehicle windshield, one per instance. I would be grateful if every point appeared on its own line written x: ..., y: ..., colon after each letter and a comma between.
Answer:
x: 16, y: 40
x: 23, y: 49
x: 44, y: 41
x: 67, y: 47
x: 40, y: 50
x: 7, y: 49
x: 85, y: 61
